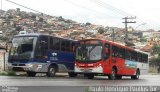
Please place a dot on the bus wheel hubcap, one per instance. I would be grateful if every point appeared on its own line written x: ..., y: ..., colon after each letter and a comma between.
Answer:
x: 113, y: 74
x: 52, y: 70
x: 137, y: 74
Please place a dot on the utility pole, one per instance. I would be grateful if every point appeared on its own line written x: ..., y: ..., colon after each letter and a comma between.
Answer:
x: 113, y: 35
x: 4, y: 58
x: 126, y: 28
x: 113, y: 29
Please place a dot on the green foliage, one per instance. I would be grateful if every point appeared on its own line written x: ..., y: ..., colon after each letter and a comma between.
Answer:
x: 47, y: 26
x: 129, y: 44
x: 155, y: 61
x: 143, y: 40
x: 3, y: 73
x: 4, y: 38
x: 88, y: 23
x: 8, y: 73
x: 156, y: 49
x: 11, y: 73
x: 101, y: 30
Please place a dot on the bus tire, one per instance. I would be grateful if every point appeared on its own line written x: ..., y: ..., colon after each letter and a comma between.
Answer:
x: 136, y: 76
x: 72, y: 74
x: 90, y: 76
x: 112, y: 76
x: 52, y: 71
x: 31, y: 74
x: 119, y: 77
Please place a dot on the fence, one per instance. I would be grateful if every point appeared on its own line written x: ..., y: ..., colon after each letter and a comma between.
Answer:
x: 3, y: 60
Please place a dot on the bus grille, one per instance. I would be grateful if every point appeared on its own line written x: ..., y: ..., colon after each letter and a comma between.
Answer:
x: 18, y: 64
x: 17, y: 69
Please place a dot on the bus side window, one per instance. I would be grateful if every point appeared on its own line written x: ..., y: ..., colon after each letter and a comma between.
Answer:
x: 65, y: 45
x: 145, y: 58
x: 115, y: 51
x: 134, y: 56
x: 139, y: 56
x: 72, y: 47
x: 128, y: 54
x: 42, y: 47
x: 122, y: 53
x: 51, y: 43
x: 56, y: 44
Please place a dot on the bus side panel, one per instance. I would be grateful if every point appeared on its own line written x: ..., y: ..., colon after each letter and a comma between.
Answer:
x: 130, y: 67
x: 120, y: 64
x: 124, y: 67
x: 143, y: 68
x: 63, y: 58
x: 40, y: 65
x: 106, y: 66
x: 117, y: 62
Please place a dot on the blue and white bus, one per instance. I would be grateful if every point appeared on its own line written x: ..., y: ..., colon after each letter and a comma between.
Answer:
x: 39, y: 53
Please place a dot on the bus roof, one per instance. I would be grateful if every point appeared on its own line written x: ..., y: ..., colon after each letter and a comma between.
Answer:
x: 29, y: 34
x: 90, y: 39
x: 107, y: 41
x: 39, y: 34
x: 117, y: 44
x: 141, y: 51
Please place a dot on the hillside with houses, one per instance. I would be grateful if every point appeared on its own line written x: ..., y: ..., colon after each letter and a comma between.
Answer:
x: 15, y: 21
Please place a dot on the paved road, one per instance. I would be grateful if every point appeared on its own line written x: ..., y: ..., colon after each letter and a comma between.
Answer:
x: 62, y: 82
x: 153, y: 80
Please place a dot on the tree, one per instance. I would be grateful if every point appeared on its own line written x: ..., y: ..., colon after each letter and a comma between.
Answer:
x: 156, y: 49
x: 155, y: 61
x: 101, y: 30
x: 143, y: 40
x: 87, y: 24
x: 129, y: 44
x: 18, y: 28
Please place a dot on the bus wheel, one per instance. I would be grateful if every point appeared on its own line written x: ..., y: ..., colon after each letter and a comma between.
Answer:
x: 119, y: 77
x: 31, y: 74
x: 112, y: 76
x: 90, y: 76
x: 136, y: 76
x: 51, y: 71
x: 72, y: 74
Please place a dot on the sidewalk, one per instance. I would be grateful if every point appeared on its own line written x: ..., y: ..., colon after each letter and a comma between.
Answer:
x: 154, y: 73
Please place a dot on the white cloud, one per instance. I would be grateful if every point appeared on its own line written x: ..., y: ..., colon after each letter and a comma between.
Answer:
x: 88, y: 11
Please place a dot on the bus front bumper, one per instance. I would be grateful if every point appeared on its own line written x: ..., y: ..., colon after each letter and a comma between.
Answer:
x: 20, y: 68
x: 28, y: 67
x: 89, y: 70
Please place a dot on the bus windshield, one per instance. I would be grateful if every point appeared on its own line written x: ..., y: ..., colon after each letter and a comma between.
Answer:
x: 89, y: 53
x: 22, y: 47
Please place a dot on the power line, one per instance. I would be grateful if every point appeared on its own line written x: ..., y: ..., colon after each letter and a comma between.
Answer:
x: 86, y: 8
x: 98, y: 2
x: 118, y: 11
x: 24, y: 6
x: 107, y: 6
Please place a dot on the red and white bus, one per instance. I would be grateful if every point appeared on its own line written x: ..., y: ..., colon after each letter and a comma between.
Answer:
x: 102, y: 57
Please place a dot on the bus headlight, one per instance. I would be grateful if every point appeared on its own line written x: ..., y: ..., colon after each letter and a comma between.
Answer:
x: 29, y: 65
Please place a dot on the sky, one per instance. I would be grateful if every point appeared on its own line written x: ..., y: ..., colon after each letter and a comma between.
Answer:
x: 100, y: 12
